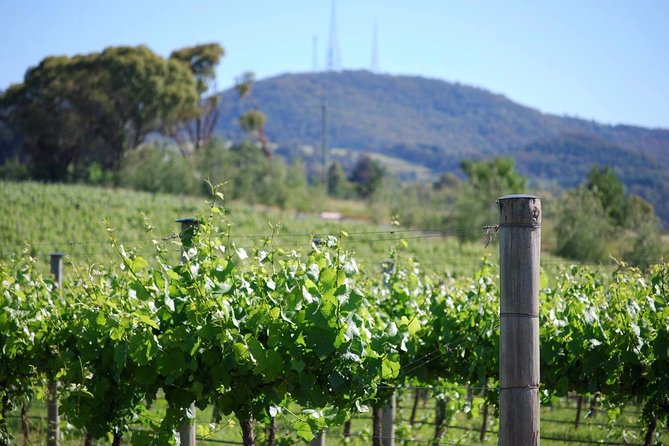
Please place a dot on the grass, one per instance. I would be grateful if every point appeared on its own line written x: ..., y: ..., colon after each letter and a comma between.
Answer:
x: 72, y: 219
x: 557, y: 427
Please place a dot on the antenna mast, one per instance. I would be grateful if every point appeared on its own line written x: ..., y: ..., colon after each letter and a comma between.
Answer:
x: 333, y: 56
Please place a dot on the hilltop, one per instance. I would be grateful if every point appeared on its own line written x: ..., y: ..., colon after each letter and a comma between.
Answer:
x: 436, y: 124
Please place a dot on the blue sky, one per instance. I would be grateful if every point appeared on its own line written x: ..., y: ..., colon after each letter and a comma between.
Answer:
x: 605, y: 60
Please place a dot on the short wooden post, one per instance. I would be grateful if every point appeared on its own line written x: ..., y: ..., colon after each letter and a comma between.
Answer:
x: 519, y: 248
x: 188, y: 228
x: 53, y: 417
x: 388, y: 422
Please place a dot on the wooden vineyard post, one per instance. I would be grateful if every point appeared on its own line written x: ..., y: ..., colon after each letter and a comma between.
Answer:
x: 53, y: 418
x: 188, y: 228
x: 388, y: 422
x: 519, y: 251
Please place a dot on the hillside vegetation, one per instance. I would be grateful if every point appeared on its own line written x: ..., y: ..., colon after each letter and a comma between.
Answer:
x: 72, y: 219
x: 438, y: 124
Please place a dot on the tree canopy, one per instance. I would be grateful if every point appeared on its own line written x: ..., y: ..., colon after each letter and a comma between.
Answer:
x: 486, y: 182
x: 85, y: 109
x: 202, y: 60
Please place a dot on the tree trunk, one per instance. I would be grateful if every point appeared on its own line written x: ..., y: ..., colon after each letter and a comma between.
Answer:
x: 376, y: 426
x: 88, y: 439
x: 4, y: 408
x: 414, y: 408
x: 248, y: 436
x: 4, y: 432
x: 579, y: 404
x: 271, y: 432
x: 215, y: 415
x: 25, y: 426
x: 650, y: 433
x: 118, y: 438
x: 593, y: 405
x: 439, y: 418
x: 484, y: 423
x: 470, y: 396
x: 347, y: 429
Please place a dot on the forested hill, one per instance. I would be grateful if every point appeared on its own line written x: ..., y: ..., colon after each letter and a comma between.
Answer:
x: 413, y: 116
x: 437, y: 124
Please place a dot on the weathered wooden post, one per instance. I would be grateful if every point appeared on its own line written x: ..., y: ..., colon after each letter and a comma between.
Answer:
x: 53, y: 418
x: 519, y: 251
x: 188, y: 228
x: 388, y: 422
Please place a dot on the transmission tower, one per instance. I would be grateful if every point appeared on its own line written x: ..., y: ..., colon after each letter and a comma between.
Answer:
x: 375, y: 48
x: 333, y: 56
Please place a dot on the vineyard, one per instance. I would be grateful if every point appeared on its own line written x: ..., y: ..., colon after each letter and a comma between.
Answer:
x: 272, y: 343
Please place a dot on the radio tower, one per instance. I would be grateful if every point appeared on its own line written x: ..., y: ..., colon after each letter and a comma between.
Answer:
x: 375, y: 48
x: 333, y: 56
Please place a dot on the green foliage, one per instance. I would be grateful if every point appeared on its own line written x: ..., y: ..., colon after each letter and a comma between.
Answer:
x: 464, y: 330
x: 260, y: 330
x: 367, y: 176
x: 73, y: 111
x: 476, y: 204
x: 25, y: 299
x: 248, y: 174
x: 565, y: 161
x: 608, y: 336
x: 252, y: 121
x: 590, y: 216
x: 202, y: 61
x: 14, y: 170
x: 583, y: 227
x: 244, y: 83
x: 338, y: 184
x: 10, y: 137
x: 606, y: 186
x: 158, y: 168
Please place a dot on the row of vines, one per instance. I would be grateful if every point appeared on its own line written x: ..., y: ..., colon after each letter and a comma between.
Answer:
x: 258, y: 333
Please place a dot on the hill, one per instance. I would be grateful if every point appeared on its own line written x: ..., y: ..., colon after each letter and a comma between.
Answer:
x: 382, y: 112
x: 436, y: 124
x: 565, y: 161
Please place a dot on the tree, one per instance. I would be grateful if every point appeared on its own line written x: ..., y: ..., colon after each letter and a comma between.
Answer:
x: 493, y: 177
x: 10, y: 139
x: 244, y: 83
x: 202, y: 60
x: 486, y: 182
x: 583, y: 227
x: 646, y: 244
x: 76, y: 111
x: 338, y: 184
x: 367, y: 176
x: 253, y: 123
x: 606, y: 185
x: 592, y: 214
